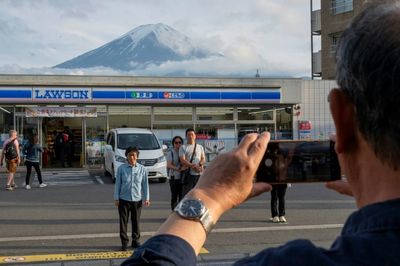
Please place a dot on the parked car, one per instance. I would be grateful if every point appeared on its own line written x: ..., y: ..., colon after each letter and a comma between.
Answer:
x: 151, y: 152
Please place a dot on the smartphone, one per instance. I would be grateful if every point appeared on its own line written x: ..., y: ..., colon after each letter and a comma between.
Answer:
x: 293, y: 161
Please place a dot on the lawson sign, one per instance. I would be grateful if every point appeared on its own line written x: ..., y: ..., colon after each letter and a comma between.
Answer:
x: 62, y: 94
x: 138, y: 95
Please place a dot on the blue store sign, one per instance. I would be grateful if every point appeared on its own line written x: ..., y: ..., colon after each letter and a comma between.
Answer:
x: 152, y: 95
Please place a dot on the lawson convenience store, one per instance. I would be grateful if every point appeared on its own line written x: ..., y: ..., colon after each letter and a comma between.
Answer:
x: 221, y: 110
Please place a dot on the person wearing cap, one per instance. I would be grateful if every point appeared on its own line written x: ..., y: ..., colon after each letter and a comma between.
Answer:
x: 131, y: 191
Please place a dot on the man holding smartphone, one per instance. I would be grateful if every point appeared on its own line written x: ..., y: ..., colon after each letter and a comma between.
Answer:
x: 365, y: 113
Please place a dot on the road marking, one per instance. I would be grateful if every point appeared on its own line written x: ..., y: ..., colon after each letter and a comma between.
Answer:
x: 64, y: 257
x: 98, y: 179
x: 72, y: 256
x: 282, y: 227
x: 66, y: 178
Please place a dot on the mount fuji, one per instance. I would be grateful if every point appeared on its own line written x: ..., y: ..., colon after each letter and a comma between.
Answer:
x: 146, y: 45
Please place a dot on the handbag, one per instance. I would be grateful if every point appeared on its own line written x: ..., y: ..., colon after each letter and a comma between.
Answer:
x: 186, y: 173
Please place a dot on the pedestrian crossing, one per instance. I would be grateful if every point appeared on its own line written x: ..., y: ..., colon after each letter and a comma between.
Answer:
x: 64, y: 178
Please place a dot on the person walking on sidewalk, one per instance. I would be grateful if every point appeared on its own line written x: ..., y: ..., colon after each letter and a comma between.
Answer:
x: 11, y: 154
x: 32, y: 151
x: 131, y: 188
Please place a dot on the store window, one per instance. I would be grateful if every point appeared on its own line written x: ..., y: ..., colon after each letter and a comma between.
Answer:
x: 335, y: 37
x: 216, y: 138
x: 129, y: 116
x: 284, y: 123
x: 256, y: 113
x: 95, y: 140
x: 176, y: 113
x: 165, y: 132
x: 214, y: 113
x: 247, y: 128
x: 341, y: 6
x: 7, y: 122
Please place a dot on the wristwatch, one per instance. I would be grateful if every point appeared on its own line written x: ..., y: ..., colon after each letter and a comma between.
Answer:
x: 195, y: 210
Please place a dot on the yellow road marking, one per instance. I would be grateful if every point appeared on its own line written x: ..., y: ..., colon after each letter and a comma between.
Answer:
x: 72, y: 256
x: 204, y: 251
x: 63, y: 257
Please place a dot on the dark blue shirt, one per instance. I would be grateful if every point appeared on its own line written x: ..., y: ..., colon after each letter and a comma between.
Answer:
x: 371, y: 236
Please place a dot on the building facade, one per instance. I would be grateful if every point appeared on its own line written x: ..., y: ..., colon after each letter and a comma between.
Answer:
x: 329, y: 22
x: 222, y: 110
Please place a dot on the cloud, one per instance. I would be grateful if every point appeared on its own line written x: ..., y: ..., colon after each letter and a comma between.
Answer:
x: 271, y: 35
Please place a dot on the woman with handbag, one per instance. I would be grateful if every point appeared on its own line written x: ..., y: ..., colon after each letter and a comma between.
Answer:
x: 174, y: 171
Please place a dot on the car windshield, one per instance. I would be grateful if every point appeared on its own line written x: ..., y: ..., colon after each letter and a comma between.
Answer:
x: 141, y: 141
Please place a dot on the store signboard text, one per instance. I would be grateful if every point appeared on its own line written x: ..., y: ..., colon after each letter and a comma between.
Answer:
x: 67, y: 94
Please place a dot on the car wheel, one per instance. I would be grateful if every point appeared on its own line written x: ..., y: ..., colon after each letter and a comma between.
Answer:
x: 106, y: 173
x: 162, y: 180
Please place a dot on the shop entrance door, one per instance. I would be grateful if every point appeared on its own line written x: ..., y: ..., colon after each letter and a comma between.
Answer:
x: 64, y: 150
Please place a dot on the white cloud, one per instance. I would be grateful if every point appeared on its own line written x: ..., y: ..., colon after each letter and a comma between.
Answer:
x: 271, y: 35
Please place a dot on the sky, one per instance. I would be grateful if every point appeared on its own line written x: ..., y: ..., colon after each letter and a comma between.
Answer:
x: 272, y: 36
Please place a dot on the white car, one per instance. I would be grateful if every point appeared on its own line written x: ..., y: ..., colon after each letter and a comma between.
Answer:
x: 151, y: 153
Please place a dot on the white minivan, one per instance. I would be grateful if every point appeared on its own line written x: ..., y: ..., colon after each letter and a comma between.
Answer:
x: 151, y: 153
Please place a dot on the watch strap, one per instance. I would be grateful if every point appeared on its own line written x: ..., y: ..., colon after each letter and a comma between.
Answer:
x: 206, y: 221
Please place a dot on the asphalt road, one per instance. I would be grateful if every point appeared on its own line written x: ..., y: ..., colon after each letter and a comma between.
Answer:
x: 76, y: 213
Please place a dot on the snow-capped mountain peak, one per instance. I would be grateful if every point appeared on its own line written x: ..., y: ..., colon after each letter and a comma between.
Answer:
x: 140, y: 47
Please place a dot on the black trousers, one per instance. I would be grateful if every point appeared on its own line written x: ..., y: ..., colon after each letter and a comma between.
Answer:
x: 189, y: 183
x: 278, y: 200
x: 66, y: 155
x: 125, y: 208
x: 35, y: 165
x: 176, y: 191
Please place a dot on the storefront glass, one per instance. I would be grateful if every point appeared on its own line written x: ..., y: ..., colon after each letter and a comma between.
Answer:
x: 165, y: 132
x: 177, y: 113
x: 7, y: 122
x: 246, y: 128
x: 95, y: 141
x: 216, y: 138
x: 284, y: 123
x: 214, y: 113
x: 256, y: 113
x: 129, y: 116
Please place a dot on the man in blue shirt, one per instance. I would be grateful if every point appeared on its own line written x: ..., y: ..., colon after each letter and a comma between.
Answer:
x: 365, y: 112
x: 131, y: 188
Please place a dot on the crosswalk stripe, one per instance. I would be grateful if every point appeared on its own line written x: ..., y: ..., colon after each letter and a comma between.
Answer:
x: 65, y: 178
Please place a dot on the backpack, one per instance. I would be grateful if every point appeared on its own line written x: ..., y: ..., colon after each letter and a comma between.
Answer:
x: 11, y: 150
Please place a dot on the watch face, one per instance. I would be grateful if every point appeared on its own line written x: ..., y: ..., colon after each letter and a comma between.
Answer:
x: 191, y: 208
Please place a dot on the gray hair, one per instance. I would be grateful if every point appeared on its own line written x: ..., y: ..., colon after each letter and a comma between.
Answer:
x: 368, y: 71
x: 11, y: 132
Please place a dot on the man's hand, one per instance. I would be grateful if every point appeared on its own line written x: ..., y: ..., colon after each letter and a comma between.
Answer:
x: 116, y: 203
x: 228, y: 180
x: 198, y: 168
x: 147, y: 203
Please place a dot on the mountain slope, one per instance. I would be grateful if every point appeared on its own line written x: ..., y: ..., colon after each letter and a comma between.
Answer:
x: 143, y: 46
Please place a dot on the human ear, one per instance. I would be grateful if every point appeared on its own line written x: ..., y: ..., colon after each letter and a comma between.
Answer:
x: 343, y: 115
